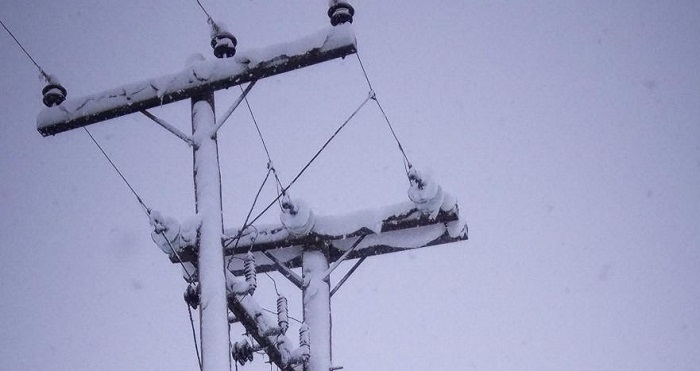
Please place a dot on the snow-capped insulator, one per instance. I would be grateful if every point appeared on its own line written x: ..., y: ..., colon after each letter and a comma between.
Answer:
x: 224, y: 44
x: 340, y: 12
x: 191, y: 296
x: 425, y: 193
x: 242, y: 352
x: 54, y: 94
x: 250, y: 276
x: 297, y: 216
x: 282, y: 314
x: 166, y: 232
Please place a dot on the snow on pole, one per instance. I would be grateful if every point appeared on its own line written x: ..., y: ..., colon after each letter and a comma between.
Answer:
x: 317, y: 307
x: 212, y: 281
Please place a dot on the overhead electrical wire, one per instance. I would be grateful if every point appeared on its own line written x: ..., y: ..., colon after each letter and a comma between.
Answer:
x: 270, y: 164
x: 41, y: 70
x: 407, y: 163
x: 147, y: 209
x: 281, y: 190
x: 209, y: 19
x: 301, y: 172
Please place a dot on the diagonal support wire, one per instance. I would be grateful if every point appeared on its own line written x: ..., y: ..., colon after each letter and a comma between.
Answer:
x: 169, y: 127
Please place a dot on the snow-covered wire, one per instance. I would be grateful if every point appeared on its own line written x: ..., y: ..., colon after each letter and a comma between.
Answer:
x: 41, y: 70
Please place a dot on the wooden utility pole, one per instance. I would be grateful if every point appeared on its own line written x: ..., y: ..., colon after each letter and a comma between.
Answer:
x: 207, y: 191
x: 317, y: 248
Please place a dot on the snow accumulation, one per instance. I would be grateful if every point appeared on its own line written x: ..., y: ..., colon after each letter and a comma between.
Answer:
x: 395, y: 227
x: 296, y: 216
x: 168, y: 234
x: 219, y: 73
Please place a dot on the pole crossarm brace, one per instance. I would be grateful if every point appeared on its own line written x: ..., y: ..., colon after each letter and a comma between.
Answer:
x: 246, y: 66
x: 167, y: 126
x: 395, y: 228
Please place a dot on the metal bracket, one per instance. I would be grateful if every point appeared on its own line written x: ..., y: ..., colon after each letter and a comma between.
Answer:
x: 167, y: 126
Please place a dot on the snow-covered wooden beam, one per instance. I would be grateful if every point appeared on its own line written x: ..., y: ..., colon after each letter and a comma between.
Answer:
x: 198, y: 77
x: 391, y: 229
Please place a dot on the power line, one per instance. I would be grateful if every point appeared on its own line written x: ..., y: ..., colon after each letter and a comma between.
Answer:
x: 323, y: 147
x: 407, y: 163
x: 194, y: 336
x: 262, y: 139
x: 285, y: 189
x: 205, y: 12
x: 43, y: 73
x: 138, y: 198
x: 162, y: 233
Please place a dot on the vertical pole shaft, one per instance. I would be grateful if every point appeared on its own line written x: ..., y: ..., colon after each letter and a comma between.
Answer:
x: 207, y: 184
x: 317, y: 307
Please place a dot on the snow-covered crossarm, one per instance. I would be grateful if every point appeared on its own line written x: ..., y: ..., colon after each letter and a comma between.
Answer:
x: 394, y: 228
x: 246, y: 66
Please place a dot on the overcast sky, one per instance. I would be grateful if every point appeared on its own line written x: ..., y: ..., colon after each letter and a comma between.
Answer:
x: 569, y: 131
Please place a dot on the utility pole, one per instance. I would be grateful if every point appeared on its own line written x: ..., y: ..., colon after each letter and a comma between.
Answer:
x: 207, y: 181
x: 316, y: 244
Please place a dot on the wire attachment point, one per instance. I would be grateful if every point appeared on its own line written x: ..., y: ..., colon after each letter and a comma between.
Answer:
x: 372, y: 95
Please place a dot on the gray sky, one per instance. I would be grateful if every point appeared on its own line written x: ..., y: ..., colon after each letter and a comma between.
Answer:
x: 569, y: 131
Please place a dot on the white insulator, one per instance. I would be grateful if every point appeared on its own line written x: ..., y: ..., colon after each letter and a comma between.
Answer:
x: 166, y: 232
x: 297, y: 217
x: 282, y: 314
x: 425, y: 193
x: 250, y: 276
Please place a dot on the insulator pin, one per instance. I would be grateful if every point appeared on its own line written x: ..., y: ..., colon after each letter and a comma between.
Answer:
x: 282, y: 314
x: 340, y: 12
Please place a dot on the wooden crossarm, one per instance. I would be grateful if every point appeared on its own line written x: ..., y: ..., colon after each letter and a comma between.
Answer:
x: 335, y: 42
x: 391, y: 229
